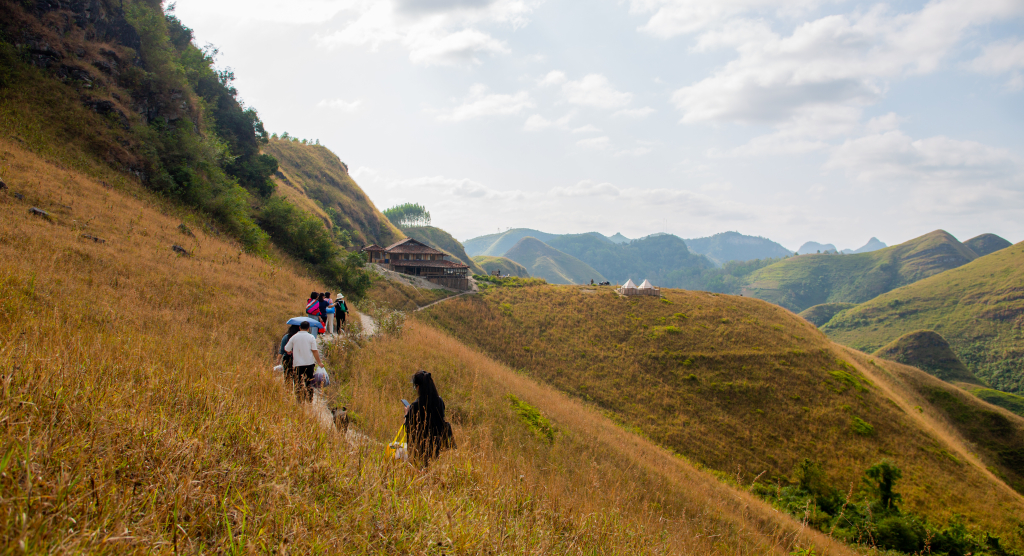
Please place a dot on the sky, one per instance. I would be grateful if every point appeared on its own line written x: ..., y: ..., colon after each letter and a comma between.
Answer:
x: 796, y: 120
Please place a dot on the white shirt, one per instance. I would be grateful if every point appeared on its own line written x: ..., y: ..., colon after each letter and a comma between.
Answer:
x: 302, y: 346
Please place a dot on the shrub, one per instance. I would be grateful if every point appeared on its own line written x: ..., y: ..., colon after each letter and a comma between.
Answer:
x: 536, y: 422
x: 861, y: 427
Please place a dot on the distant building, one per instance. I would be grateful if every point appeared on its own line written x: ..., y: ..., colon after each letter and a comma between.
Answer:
x: 629, y: 288
x: 417, y: 259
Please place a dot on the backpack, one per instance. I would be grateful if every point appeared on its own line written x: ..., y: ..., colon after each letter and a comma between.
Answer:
x: 313, y: 307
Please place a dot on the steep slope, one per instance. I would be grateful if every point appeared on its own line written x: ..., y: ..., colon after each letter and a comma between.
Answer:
x: 812, y: 247
x: 544, y: 261
x: 663, y: 259
x: 986, y: 244
x: 801, y: 282
x: 738, y: 385
x: 214, y: 454
x: 820, y: 314
x: 314, y: 178
x: 440, y: 239
x: 496, y: 245
x: 930, y: 352
x: 734, y: 246
x: 1005, y: 400
x: 507, y: 267
x: 978, y: 308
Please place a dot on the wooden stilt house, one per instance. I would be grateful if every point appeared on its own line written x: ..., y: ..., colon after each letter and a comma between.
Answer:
x: 411, y: 257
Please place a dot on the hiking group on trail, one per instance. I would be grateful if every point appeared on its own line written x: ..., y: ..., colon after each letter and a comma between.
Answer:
x: 425, y: 431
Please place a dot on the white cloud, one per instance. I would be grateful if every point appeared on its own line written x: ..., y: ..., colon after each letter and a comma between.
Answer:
x: 479, y: 103
x: 552, y: 78
x: 636, y: 113
x: 589, y: 128
x: 634, y: 152
x: 587, y: 188
x: 1002, y: 57
x: 602, y: 142
x: 670, y: 18
x: 833, y: 61
x: 536, y: 122
x: 340, y: 104
x: 893, y: 156
x: 435, y: 32
x: 595, y: 91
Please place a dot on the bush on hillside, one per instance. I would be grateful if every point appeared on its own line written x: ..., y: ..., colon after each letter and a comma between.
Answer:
x: 871, y: 516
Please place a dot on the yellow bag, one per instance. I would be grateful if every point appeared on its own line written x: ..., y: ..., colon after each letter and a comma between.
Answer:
x: 398, y: 449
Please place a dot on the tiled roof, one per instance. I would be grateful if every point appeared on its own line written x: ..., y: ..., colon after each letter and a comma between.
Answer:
x: 372, y: 247
x: 431, y: 264
x: 410, y: 245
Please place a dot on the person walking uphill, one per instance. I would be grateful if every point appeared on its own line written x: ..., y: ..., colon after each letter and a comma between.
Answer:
x: 426, y: 432
x: 341, y: 310
x: 305, y: 357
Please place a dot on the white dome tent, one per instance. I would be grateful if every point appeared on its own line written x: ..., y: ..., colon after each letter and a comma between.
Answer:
x: 646, y: 288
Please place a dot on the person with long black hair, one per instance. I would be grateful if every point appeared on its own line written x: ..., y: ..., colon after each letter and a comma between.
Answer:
x: 284, y: 358
x: 426, y: 432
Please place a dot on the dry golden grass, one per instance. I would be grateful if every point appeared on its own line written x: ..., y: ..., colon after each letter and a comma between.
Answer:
x: 403, y: 297
x: 737, y: 384
x: 140, y: 416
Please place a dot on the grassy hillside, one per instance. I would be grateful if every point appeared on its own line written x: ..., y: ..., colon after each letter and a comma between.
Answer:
x: 798, y: 283
x: 496, y: 245
x: 440, y: 239
x: 735, y: 384
x: 1006, y: 400
x: 928, y: 351
x: 664, y: 259
x: 978, y: 308
x: 314, y: 178
x: 504, y: 265
x: 734, y: 246
x: 820, y: 314
x: 216, y: 457
x: 986, y: 244
x: 544, y: 261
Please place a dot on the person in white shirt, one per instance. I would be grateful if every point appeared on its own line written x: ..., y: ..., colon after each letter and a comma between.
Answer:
x: 305, y: 358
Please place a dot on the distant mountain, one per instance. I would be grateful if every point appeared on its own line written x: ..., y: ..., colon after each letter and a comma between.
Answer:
x: 619, y: 238
x: 815, y: 247
x: 801, y: 282
x: 543, y: 261
x: 928, y: 350
x: 495, y: 245
x: 986, y: 244
x: 734, y: 246
x: 978, y: 308
x: 820, y: 314
x: 505, y: 265
x: 872, y: 245
x: 663, y: 259
x: 440, y: 239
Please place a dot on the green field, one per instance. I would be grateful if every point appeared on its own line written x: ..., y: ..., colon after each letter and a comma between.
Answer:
x: 928, y: 351
x: 798, y: 283
x: 978, y: 308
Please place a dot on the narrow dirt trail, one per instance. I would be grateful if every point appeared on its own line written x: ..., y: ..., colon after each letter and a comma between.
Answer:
x: 442, y: 300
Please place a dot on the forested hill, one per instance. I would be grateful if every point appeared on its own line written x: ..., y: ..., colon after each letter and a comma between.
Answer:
x: 121, y: 86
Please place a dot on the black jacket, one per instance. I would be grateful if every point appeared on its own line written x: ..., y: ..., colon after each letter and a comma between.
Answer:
x: 425, y: 428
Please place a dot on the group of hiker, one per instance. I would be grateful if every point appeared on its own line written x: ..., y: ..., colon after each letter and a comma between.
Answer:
x: 331, y: 313
x: 427, y: 432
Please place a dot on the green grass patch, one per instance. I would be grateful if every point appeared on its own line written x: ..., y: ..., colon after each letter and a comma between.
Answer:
x: 861, y: 427
x: 539, y: 424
